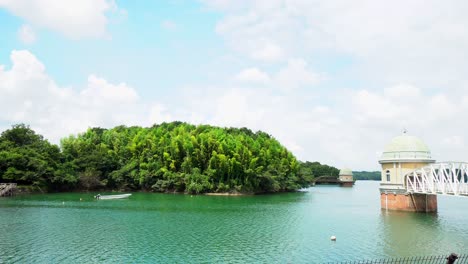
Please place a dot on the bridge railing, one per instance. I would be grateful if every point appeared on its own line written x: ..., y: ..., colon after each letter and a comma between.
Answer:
x: 439, y: 178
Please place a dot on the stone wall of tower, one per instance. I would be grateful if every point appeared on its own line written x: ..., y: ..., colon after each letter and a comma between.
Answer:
x: 409, y: 202
x: 398, y: 170
x: 346, y: 178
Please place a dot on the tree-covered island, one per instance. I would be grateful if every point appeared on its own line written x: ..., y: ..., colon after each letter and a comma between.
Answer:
x: 170, y: 157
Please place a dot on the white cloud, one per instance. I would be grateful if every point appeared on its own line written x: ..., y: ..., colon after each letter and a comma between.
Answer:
x: 225, y: 5
x: 252, y: 75
x: 433, y: 117
x: 159, y: 114
x: 26, y: 34
x: 373, y: 107
x: 296, y: 74
x: 75, y: 19
x: 168, y: 25
x: 392, y: 65
x: 233, y: 108
x: 99, y: 89
x: 293, y: 75
x: 347, y: 131
x: 418, y: 42
x: 288, y: 118
x: 402, y: 90
x: 268, y: 52
x: 29, y: 95
x: 350, y: 131
x: 454, y: 141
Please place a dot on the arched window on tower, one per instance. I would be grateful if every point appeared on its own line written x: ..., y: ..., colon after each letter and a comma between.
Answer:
x: 387, y: 173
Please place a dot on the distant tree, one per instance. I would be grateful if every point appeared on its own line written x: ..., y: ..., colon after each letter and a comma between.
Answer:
x: 367, y: 175
x: 315, y: 169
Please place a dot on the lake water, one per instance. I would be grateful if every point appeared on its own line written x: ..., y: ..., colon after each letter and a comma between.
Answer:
x: 174, y: 228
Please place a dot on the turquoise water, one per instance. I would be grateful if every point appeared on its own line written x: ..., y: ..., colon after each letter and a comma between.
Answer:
x: 281, y: 228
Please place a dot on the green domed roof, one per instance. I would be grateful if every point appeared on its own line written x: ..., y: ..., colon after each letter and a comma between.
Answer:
x: 406, y: 147
x: 346, y: 172
x: 406, y: 143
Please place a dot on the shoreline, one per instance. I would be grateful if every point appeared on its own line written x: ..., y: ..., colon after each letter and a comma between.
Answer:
x: 29, y: 190
x: 227, y: 194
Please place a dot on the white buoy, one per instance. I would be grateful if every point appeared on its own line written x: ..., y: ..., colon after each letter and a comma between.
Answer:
x: 333, y: 238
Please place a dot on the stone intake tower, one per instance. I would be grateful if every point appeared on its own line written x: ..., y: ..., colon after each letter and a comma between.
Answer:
x: 401, y: 156
x: 346, y: 178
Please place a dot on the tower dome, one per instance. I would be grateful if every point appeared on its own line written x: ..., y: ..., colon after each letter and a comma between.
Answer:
x: 406, y: 148
x: 346, y: 172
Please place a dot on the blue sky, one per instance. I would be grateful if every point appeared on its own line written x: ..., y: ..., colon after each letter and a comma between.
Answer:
x: 334, y: 81
x: 137, y: 49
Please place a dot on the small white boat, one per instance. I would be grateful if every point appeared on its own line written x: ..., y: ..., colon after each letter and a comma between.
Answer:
x: 110, y: 197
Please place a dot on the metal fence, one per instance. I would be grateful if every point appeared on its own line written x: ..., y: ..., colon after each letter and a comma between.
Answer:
x: 443, y: 259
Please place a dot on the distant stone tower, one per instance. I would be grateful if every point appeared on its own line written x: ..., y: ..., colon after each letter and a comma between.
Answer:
x: 401, y: 156
x: 346, y: 178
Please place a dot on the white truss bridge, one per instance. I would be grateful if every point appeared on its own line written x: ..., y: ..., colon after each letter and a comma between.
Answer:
x: 450, y: 178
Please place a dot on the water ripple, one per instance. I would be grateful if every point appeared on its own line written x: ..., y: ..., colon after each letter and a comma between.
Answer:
x: 285, y: 228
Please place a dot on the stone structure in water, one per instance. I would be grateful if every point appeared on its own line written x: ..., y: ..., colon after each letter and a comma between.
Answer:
x: 401, y: 156
x: 346, y: 178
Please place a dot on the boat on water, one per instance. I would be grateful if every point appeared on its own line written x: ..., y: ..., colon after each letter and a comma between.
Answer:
x: 111, y: 197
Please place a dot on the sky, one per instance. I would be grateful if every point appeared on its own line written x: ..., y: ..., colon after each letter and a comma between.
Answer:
x: 334, y: 81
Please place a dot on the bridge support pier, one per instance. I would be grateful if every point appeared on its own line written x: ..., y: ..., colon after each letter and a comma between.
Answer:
x: 411, y: 202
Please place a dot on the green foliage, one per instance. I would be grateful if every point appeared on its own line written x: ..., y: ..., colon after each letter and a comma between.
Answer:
x: 367, y: 175
x: 26, y: 158
x: 310, y: 170
x: 170, y: 157
x: 182, y: 157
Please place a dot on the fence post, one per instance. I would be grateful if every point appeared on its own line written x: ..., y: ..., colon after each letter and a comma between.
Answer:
x: 452, y: 258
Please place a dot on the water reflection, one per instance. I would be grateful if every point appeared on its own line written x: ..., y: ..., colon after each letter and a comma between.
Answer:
x: 404, y: 233
x: 282, y: 228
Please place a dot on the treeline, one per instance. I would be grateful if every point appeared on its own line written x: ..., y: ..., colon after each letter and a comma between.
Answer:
x: 170, y: 157
x: 367, y: 175
x: 315, y: 169
x: 26, y: 158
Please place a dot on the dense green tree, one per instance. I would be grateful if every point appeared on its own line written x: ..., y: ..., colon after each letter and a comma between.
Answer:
x: 27, y: 158
x: 182, y: 157
x: 167, y: 157
x: 315, y: 169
